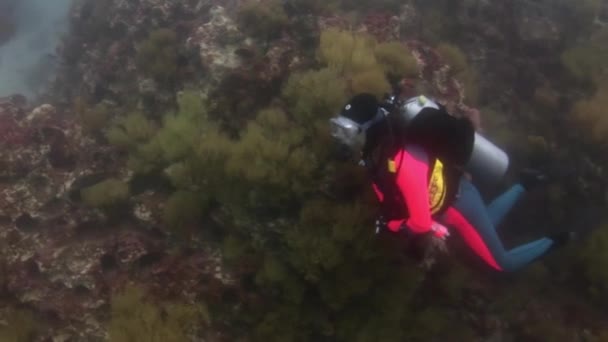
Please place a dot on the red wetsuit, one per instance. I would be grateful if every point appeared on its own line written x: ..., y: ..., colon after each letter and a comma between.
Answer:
x: 412, y: 181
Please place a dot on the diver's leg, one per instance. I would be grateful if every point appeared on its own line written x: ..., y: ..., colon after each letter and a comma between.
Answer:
x: 454, y: 219
x: 469, y: 217
x: 500, y: 206
x: 528, y: 179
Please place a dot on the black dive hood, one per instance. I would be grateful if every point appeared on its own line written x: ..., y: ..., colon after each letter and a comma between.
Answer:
x: 487, y: 164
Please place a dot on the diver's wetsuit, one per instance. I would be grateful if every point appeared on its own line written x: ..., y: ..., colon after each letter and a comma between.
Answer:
x: 465, y: 212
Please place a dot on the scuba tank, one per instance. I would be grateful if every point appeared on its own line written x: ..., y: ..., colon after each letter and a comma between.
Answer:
x: 487, y: 164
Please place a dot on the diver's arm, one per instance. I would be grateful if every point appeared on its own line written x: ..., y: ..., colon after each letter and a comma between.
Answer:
x: 378, y: 193
x: 412, y: 180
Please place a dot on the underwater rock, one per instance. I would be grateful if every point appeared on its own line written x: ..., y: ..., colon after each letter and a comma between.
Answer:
x: 217, y: 42
x: 148, y: 87
x: 41, y: 113
x: 11, y: 113
x: 437, y: 77
x: 384, y: 26
x: 52, y: 264
x: 538, y: 29
x: 26, y: 222
x: 333, y: 21
x: 409, y: 18
x: 148, y: 208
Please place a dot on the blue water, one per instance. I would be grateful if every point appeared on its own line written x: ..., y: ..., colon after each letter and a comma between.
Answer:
x: 26, y: 61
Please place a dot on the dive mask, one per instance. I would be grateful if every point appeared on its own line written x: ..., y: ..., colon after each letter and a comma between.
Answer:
x: 346, y: 131
x: 350, y: 133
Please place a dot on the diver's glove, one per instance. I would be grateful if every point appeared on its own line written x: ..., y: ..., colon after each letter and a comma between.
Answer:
x: 562, y: 238
x: 429, y: 247
x: 381, y: 224
x: 440, y: 230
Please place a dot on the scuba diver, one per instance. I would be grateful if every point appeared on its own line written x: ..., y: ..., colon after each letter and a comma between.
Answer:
x: 419, y: 158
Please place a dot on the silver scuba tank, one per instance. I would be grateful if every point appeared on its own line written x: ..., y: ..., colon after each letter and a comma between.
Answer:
x: 488, y: 163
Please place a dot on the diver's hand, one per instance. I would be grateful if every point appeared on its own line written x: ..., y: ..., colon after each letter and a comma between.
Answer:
x: 440, y: 231
x: 434, y: 245
x: 381, y: 224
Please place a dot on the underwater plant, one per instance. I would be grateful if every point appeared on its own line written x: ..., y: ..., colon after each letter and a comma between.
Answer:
x: 93, y: 119
x: 346, y: 52
x: 373, y: 82
x: 587, y: 61
x: 594, y: 258
x: 183, y: 210
x: 135, y: 318
x: 363, y: 63
x: 130, y: 130
x: 314, y: 95
x: 454, y: 57
x: 234, y: 247
x: 591, y: 115
x: 134, y: 133
x: 157, y: 55
x: 271, y: 161
x: 107, y: 194
x: 396, y: 60
x: 19, y: 326
x: 181, y: 131
x: 460, y: 69
x: 265, y: 19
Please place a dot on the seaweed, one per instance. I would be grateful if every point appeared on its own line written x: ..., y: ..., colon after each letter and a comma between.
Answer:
x: 134, y: 133
x: 586, y: 62
x: 19, y: 326
x: 346, y: 52
x: 93, y: 119
x: 373, y: 82
x: 396, y: 60
x: 594, y: 258
x: 131, y: 130
x: 107, y: 194
x: 364, y: 64
x: 313, y: 96
x: 157, y: 56
x: 181, y: 131
x: 234, y: 247
x: 184, y: 210
x: 590, y: 116
x: 265, y: 19
x: 271, y: 162
x: 136, y: 318
x: 460, y: 69
x: 454, y: 57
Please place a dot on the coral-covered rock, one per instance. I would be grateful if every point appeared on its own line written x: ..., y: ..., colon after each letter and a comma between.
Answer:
x: 384, y: 26
x: 217, y: 42
x: 538, y: 30
x: 62, y: 259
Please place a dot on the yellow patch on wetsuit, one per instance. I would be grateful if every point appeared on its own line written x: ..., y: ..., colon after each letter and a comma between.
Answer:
x: 437, y: 187
x: 392, y: 166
